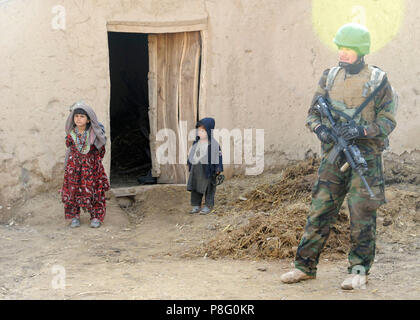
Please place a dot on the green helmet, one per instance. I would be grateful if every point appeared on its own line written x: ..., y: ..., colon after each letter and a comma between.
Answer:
x: 353, y: 36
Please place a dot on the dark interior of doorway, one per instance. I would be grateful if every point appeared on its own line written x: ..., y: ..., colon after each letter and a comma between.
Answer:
x: 129, y: 67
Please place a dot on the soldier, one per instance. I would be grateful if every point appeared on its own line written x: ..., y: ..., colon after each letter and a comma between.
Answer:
x: 346, y: 87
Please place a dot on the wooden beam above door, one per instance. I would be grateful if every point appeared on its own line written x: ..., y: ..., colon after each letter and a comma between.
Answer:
x: 157, y: 26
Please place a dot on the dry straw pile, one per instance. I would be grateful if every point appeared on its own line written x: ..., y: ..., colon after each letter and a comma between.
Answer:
x: 278, y: 222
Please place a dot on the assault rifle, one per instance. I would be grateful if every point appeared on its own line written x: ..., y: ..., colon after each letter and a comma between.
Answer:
x: 350, y: 150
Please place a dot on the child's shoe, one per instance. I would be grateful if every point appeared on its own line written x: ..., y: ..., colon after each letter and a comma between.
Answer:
x: 75, y: 223
x: 195, y: 209
x: 205, y: 210
x: 95, y: 223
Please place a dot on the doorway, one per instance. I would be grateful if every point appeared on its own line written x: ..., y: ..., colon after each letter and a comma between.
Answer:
x: 129, y: 67
x: 154, y: 86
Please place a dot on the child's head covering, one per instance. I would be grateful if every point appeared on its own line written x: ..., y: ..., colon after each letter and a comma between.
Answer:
x: 80, y: 111
x: 208, y: 124
x: 97, y: 133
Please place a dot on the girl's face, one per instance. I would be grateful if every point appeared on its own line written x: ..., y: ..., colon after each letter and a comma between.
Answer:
x: 81, y: 121
x: 202, y: 133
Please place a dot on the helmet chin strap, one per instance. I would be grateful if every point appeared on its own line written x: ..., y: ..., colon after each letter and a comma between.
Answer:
x: 355, y: 67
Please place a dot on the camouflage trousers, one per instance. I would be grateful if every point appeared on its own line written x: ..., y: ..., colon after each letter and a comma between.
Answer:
x: 328, y: 193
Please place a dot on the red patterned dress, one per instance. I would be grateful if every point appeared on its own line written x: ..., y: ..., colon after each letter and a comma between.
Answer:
x: 85, y: 180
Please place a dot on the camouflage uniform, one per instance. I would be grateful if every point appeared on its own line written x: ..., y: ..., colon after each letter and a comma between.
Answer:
x: 332, y: 185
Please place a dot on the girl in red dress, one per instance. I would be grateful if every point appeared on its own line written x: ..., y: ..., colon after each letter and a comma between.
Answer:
x: 85, y: 180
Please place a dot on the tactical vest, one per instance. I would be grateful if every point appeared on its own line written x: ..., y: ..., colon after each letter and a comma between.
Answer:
x: 348, y: 91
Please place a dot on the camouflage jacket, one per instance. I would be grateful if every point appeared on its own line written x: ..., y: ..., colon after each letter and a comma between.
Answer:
x: 346, y: 94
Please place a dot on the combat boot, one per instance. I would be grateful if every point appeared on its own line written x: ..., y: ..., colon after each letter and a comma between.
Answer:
x: 354, y: 281
x: 295, y: 276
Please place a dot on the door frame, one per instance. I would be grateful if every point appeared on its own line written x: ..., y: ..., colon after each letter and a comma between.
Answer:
x: 169, y: 27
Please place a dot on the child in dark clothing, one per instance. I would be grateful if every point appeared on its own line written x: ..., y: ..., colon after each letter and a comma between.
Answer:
x: 204, y: 163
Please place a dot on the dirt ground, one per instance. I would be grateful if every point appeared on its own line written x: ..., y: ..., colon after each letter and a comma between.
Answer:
x: 149, y: 251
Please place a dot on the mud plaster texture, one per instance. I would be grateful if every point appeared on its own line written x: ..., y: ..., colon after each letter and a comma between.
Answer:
x: 262, y: 66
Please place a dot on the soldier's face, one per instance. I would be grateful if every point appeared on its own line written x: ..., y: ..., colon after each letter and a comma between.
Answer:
x: 347, y: 55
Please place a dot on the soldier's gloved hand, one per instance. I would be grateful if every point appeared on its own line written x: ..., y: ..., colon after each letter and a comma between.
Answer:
x: 324, y: 134
x: 351, y: 131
